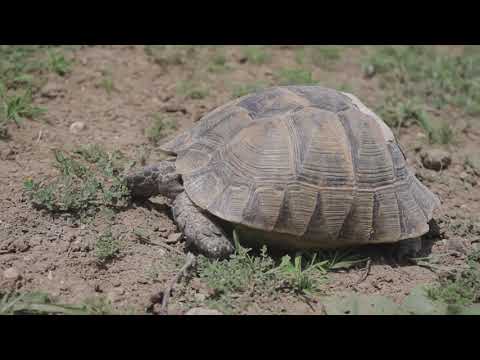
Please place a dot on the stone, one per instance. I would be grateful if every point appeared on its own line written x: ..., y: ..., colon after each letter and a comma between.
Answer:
x: 51, y: 91
x: 203, y: 311
x: 200, y: 297
x: 436, y: 159
x: 465, y: 177
x: 20, y: 245
x: 77, y: 127
x: 175, y: 108
x: 115, y: 295
x: 370, y: 71
x: 174, y: 238
x: 456, y: 245
x: 11, y: 274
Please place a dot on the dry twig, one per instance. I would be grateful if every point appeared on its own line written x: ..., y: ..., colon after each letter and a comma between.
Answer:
x: 189, y: 262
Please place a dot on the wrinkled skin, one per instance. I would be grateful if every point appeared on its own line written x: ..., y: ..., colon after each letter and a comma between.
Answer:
x: 201, y: 232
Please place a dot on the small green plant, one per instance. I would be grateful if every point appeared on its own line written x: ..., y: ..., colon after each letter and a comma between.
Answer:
x: 18, y: 63
x: 297, y: 273
x: 238, y: 273
x: 295, y: 77
x: 218, y: 64
x: 68, y: 166
x: 462, y: 288
x: 256, y: 55
x: 246, y: 273
x: 82, y: 188
x: 472, y: 164
x: 107, y: 82
x: 165, y: 55
x: 437, y: 79
x: 397, y: 114
x: 110, y: 163
x: 160, y: 128
x: 58, y: 63
x: 245, y: 89
x: 107, y: 247
x: 3, y: 130
x: 39, y: 303
x: 325, y: 55
x: 192, y: 91
x: 16, y: 108
x: 301, y: 55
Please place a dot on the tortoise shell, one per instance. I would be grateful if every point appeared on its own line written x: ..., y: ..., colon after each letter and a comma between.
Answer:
x: 308, y: 164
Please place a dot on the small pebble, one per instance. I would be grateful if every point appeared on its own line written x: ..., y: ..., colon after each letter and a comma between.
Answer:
x: 200, y: 297
x: 370, y: 71
x: 11, y: 274
x: 115, y: 295
x: 203, y: 311
x: 436, y: 159
x: 174, y: 238
x: 51, y: 91
x: 77, y: 127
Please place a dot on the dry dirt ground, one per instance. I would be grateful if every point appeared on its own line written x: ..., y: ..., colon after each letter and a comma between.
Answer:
x: 53, y: 253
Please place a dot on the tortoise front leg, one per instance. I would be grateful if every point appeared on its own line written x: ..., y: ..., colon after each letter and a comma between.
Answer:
x: 200, y: 230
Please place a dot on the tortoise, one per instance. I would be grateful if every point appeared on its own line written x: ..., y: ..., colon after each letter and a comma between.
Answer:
x: 295, y: 167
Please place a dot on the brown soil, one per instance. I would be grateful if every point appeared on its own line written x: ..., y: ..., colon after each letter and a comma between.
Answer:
x: 54, y: 255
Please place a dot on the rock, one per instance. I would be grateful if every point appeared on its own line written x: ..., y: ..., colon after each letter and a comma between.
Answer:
x: 36, y: 240
x: 77, y: 127
x: 369, y: 71
x: 243, y: 60
x: 9, y: 154
x: 436, y: 159
x: 69, y: 235
x: 174, y: 238
x: 174, y: 109
x: 20, y: 245
x: 64, y: 287
x: 12, y: 274
x: 200, y: 297
x: 115, y: 295
x: 51, y: 91
x: 97, y: 287
x: 203, y: 311
x: 456, y: 245
x: 476, y: 245
x: 464, y: 176
x: 142, y: 281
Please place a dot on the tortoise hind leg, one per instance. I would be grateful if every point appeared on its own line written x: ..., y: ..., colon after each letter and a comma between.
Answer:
x: 200, y: 230
x: 407, y: 249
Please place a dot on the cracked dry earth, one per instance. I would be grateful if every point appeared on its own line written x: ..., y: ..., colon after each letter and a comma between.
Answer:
x: 54, y: 254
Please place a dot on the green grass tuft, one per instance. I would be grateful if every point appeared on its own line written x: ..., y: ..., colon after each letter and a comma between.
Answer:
x: 166, y: 55
x: 16, y: 108
x: 295, y: 77
x: 462, y: 288
x: 435, y: 78
x: 58, y: 63
x: 88, y: 181
x: 107, y: 247
x: 160, y: 128
x: 245, y: 89
x: 257, y: 55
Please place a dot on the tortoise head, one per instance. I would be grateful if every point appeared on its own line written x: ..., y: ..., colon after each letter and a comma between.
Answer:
x: 160, y: 179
